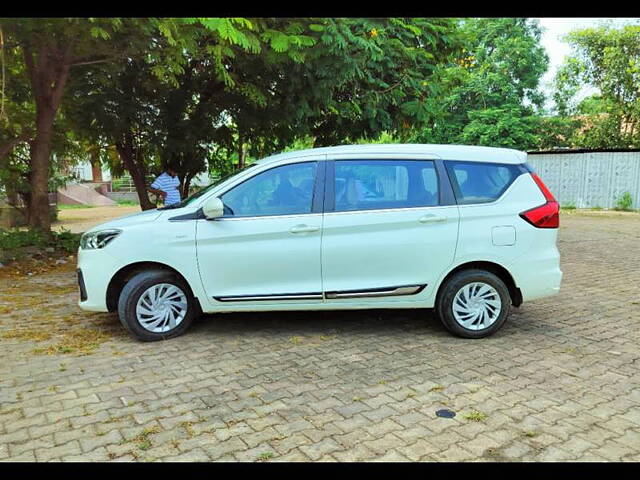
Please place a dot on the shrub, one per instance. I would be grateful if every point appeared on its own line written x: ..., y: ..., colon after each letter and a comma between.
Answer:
x: 14, y: 239
x: 624, y: 202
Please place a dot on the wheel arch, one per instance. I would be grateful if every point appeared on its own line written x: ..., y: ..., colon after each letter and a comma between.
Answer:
x: 122, y: 276
x: 498, y: 270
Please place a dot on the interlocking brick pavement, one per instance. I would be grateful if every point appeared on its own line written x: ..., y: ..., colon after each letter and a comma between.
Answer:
x: 561, y: 380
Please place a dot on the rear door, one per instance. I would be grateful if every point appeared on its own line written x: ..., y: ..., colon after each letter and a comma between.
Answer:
x: 390, y: 228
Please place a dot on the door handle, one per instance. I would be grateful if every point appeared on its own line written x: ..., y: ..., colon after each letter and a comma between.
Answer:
x: 304, y: 229
x: 432, y: 219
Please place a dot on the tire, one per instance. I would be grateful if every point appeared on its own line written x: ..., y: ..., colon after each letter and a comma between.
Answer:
x: 173, y: 292
x: 477, y: 294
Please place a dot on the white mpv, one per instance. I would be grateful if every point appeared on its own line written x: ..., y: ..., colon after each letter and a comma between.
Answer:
x: 468, y: 231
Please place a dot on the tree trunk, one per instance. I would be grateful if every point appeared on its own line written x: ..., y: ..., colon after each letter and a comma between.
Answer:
x: 48, y: 69
x: 96, y: 168
x: 138, y: 172
x: 38, y: 207
x: 241, y: 152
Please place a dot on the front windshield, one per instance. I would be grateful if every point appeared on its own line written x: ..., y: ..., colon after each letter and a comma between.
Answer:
x: 200, y: 193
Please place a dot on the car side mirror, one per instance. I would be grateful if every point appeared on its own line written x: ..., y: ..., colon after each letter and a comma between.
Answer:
x: 213, y: 208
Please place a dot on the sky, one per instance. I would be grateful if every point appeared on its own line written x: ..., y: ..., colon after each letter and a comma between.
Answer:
x: 557, y: 49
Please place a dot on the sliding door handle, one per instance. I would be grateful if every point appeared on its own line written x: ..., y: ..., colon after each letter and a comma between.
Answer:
x: 432, y: 219
x: 304, y: 229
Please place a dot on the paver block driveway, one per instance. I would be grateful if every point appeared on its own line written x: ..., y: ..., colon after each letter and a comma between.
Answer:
x: 561, y: 380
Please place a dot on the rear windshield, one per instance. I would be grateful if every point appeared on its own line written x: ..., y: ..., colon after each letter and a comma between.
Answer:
x: 479, y: 182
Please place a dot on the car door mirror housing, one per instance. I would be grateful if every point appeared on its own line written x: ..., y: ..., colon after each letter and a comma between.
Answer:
x: 213, y: 208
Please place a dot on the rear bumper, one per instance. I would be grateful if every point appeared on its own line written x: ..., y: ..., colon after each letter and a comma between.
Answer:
x: 538, y: 276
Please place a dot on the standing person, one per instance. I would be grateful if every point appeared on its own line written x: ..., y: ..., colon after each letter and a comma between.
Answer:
x: 166, y: 186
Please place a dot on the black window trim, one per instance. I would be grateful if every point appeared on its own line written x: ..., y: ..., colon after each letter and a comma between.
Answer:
x: 445, y: 192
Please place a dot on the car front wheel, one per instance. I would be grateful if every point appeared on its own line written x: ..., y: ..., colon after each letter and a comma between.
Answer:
x: 156, y: 305
x: 473, y: 304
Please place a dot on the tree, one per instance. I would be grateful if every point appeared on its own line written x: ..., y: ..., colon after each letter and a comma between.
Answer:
x: 368, y: 76
x: 490, y: 93
x: 608, y: 59
x: 49, y: 49
x: 151, y: 118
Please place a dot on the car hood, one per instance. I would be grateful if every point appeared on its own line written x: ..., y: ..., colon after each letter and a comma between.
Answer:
x: 133, y: 219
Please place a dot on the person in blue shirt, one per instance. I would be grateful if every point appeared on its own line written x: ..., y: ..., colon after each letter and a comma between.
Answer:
x: 166, y: 186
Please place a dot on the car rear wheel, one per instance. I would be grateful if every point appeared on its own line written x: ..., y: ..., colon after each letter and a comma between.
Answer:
x: 473, y: 304
x: 156, y: 305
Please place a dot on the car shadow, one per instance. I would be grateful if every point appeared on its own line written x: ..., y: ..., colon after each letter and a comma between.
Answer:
x: 322, y: 322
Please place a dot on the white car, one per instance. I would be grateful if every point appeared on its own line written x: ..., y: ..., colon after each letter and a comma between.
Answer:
x: 466, y: 230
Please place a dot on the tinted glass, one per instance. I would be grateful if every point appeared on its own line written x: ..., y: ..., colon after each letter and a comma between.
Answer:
x: 477, y: 182
x: 285, y: 190
x: 376, y: 184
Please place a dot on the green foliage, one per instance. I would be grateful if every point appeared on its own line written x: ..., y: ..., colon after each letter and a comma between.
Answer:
x: 489, y: 93
x: 14, y: 239
x: 127, y: 203
x: 62, y: 206
x: 625, y: 202
x: 608, y: 59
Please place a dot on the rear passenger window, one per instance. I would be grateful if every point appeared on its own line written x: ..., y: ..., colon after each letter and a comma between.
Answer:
x: 383, y: 184
x: 477, y: 182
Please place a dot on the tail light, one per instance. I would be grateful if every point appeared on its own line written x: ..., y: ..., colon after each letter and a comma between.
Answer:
x: 547, y: 215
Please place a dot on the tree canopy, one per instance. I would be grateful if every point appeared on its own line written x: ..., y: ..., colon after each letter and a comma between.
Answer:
x: 490, y: 93
x: 209, y: 94
x: 608, y: 59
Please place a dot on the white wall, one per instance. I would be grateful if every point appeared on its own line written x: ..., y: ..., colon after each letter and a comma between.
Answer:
x: 589, y: 179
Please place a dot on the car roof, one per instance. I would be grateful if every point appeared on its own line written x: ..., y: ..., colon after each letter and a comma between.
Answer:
x: 445, y: 152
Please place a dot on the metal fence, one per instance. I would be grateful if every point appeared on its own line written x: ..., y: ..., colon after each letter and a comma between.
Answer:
x: 588, y: 179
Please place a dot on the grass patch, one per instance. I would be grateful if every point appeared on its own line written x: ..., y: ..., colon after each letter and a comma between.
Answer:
x: 437, y: 388
x: 568, y: 206
x: 127, y: 203
x: 530, y: 434
x: 142, y: 439
x: 69, y: 206
x: 188, y: 427
x: 264, y: 456
x: 296, y: 340
x: 79, y: 341
x: 31, y: 334
x: 475, y: 416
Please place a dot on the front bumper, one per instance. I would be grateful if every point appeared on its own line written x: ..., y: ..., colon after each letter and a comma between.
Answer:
x: 96, y: 268
x: 81, y: 286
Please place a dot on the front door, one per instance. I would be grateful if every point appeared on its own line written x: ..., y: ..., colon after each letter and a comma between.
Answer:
x: 266, y: 247
x: 386, y: 232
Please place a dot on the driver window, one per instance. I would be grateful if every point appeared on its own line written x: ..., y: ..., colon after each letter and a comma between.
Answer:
x: 285, y: 190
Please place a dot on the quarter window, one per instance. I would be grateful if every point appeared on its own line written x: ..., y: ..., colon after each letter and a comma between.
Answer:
x: 384, y: 184
x: 477, y: 182
x: 285, y: 190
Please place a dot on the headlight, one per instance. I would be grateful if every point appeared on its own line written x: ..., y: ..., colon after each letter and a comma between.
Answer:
x: 93, y: 240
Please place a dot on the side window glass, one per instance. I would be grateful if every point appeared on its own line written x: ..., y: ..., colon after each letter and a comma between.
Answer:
x: 384, y: 184
x: 285, y: 190
x: 478, y: 182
